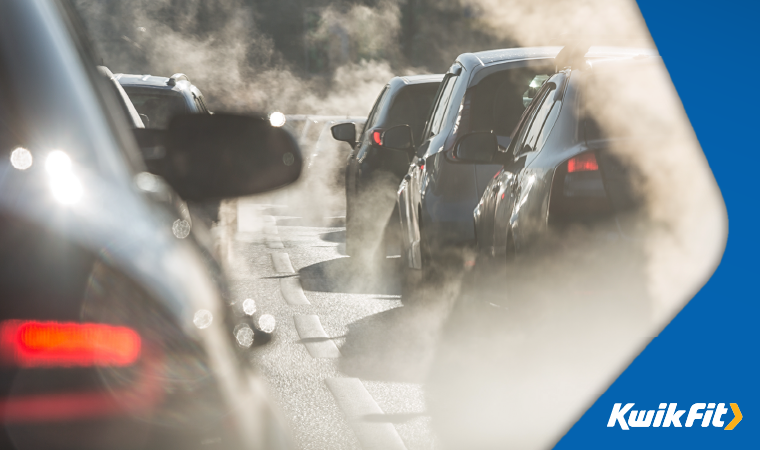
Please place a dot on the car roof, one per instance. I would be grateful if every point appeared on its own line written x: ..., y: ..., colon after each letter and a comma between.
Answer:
x: 420, y: 79
x: 486, y: 58
x: 397, y: 83
x: 151, y: 81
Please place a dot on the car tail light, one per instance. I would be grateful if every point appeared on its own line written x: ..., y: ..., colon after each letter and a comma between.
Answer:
x: 578, y: 192
x: 55, y: 344
x: 585, y: 162
x: 376, y: 138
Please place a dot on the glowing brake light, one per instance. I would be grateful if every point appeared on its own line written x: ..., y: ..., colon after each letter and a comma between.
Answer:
x: 582, y: 163
x: 376, y: 137
x: 55, y: 344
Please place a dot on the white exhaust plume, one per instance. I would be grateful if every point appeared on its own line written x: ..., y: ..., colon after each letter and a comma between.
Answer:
x: 522, y: 356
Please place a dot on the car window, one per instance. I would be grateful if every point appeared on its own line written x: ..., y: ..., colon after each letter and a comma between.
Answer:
x: 159, y: 106
x: 411, y: 106
x: 497, y: 102
x: 518, y: 135
x: 440, y: 108
x: 372, y: 117
x: 551, y: 119
x: 533, y: 131
x: 533, y: 87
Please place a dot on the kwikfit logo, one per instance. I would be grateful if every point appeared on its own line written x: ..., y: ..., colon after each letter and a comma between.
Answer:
x: 668, y: 415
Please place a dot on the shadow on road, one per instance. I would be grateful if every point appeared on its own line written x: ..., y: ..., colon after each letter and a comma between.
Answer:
x: 335, y: 236
x: 399, y: 344
x: 345, y: 275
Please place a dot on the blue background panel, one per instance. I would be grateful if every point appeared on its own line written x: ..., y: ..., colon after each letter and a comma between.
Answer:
x: 709, y: 352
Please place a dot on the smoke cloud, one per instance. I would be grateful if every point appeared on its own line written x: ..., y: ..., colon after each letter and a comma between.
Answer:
x: 565, y: 319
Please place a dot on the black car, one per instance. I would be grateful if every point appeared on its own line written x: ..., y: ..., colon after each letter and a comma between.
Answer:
x: 374, y: 170
x: 113, y: 331
x: 159, y: 98
x: 481, y: 91
x: 557, y: 171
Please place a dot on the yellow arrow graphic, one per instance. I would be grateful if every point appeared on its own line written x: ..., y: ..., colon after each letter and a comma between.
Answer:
x: 737, y: 417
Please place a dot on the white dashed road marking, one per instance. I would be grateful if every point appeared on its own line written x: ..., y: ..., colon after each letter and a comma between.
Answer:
x: 282, y: 263
x: 350, y: 394
x: 292, y: 291
x: 314, y: 338
x: 352, y: 397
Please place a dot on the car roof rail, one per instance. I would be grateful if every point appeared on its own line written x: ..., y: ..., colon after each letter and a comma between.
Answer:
x: 177, y: 77
x: 571, y: 56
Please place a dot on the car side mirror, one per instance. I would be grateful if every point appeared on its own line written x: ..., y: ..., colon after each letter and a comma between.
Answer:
x: 479, y: 147
x: 345, y: 132
x: 209, y: 157
x: 398, y: 138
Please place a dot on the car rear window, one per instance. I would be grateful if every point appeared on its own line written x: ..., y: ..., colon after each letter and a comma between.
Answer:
x: 160, y: 106
x: 411, y: 106
x: 498, y: 101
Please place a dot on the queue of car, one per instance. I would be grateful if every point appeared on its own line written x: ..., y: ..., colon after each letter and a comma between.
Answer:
x: 500, y: 160
x: 117, y: 330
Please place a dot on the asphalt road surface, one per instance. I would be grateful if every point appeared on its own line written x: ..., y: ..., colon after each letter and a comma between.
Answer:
x: 348, y: 360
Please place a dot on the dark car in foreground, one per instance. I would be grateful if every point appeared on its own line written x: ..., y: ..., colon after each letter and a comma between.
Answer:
x: 374, y: 170
x: 113, y: 333
x: 559, y: 170
x: 481, y: 91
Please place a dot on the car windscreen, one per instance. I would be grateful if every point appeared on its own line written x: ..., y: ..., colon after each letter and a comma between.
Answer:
x: 497, y: 102
x: 411, y: 106
x: 158, y: 104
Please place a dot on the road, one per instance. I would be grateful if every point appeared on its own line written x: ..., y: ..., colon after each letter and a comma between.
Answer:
x: 347, y: 361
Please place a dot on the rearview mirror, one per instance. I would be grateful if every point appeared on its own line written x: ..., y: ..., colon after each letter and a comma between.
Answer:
x: 219, y: 156
x: 345, y: 132
x: 477, y: 148
x: 398, y: 138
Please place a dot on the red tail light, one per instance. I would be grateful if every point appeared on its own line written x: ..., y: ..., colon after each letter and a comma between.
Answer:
x: 582, y: 163
x: 376, y: 137
x: 48, y: 344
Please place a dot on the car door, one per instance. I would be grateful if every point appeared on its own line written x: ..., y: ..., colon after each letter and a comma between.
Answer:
x: 352, y: 166
x: 531, y: 184
x: 485, y: 208
x: 499, y: 199
x: 413, y: 184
